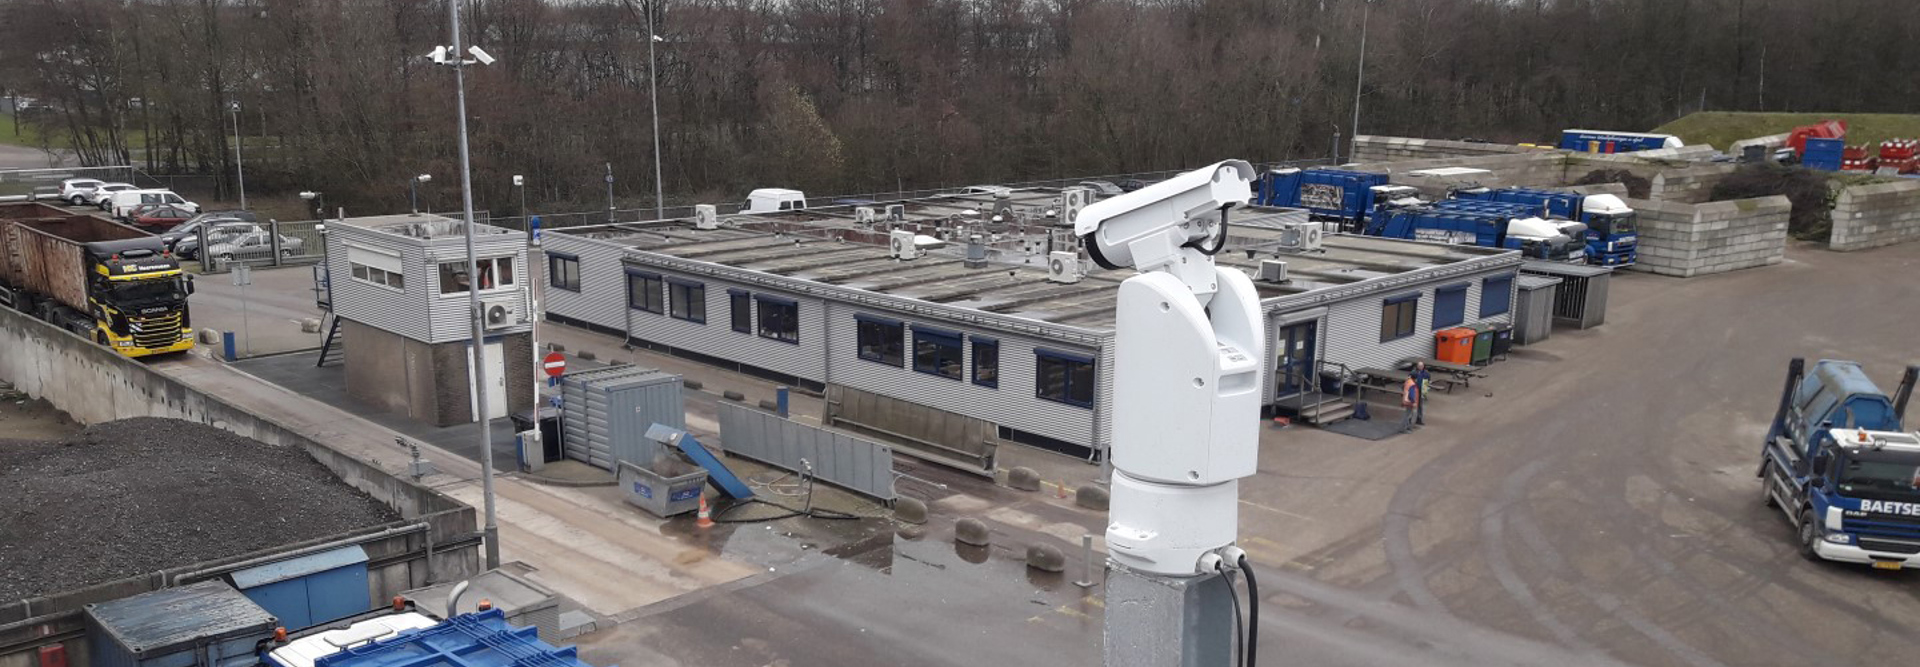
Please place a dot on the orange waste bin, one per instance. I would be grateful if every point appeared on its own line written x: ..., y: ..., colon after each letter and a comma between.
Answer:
x: 1454, y: 346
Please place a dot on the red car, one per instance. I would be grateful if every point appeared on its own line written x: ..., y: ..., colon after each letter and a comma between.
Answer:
x: 161, y: 217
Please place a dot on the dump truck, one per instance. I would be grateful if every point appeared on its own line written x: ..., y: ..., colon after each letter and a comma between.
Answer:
x: 1341, y: 195
x: 1534, y: 237
x: 1605, y: 141
x: 1612, y: 236
x: 109, y: 282
x: 1841, y: 466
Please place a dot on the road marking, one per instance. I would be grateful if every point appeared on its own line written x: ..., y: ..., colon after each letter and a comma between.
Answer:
x: 1276, y: 510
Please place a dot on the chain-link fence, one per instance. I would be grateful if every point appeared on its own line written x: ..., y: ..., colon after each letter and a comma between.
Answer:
x: 44, y: 184
x: 218, y: 247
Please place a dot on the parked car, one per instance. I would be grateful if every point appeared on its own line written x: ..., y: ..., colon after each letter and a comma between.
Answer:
x: 98, y: 195
x: 160, y: 216
x: 120, y: 203
x: 1132, y: 184
x: 218, y: 233
x: 191, y: 227
x: 254, y: 245
x: 46, y: 192
x: 1103, y: 188
x: 77, y: 191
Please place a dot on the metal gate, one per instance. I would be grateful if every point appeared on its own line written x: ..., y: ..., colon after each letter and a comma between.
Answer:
x: 1581, y: 298
x: 845, y: 461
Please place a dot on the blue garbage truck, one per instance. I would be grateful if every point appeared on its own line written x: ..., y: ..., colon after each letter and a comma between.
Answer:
x: 1841, y: 466
x: 1342, y: 195
x: 1479, y: 224
x: 1612, y: 235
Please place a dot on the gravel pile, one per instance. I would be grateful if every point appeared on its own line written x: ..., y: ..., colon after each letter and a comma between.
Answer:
x: 138, y: 495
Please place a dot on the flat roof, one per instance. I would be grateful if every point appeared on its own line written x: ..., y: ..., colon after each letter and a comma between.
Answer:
x: 830, y: 246
x: 424, y: 226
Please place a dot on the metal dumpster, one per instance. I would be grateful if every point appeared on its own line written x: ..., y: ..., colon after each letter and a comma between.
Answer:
x: 207, y: 624
x: 1581, y: 299
x: 674, y: 489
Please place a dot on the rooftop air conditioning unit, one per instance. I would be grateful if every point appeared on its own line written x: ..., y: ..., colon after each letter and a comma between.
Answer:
x: 1302, y: 236
x: 900, y: 245
x: 1071, y: 201
x: 896, y: 213
x: 499, y: 316
x: 865, y: 215
x: 1064, y: 267
x: 1273, y: 271
x: 705, y: 216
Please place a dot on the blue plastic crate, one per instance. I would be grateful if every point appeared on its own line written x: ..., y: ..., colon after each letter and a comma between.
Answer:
x: 482, y: 639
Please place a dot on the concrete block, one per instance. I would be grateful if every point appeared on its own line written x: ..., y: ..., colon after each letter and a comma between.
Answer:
x: 208, y: 336
x: 692, y: 384
x: 1046, y: 558
x: 1091, y: 497
x: 910, y: 510
x: 1023, y: 478
x: 732, y: 395
x: 972, y: 531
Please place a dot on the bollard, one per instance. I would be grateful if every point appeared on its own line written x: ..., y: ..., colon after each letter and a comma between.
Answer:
x: 1086, y: 550
x: 732, y: 395
x: 1022, y: 478
x: 226, y: 343
x: 1091, y: 497
x: 780, y: 398
x: 910, y: 510
x: 1046, y: 558
x: 972, y: 532
x: 691, y: 384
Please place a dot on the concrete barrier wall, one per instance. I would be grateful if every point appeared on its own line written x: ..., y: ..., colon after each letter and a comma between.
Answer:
x: 94, y: 384
x: 1370, y: 148
x: 1869, y: 216
x: 1686, y: 240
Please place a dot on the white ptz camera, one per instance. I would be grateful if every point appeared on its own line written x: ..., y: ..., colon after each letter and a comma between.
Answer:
x: 519, y: 180
x: 480, y: 55
x: 439, y: 55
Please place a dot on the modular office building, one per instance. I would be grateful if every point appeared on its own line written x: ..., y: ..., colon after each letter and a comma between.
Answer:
x: 955, y: 323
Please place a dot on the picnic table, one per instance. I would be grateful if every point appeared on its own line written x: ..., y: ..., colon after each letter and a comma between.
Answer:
x: 1383, y: 379
x: 1460, y: 373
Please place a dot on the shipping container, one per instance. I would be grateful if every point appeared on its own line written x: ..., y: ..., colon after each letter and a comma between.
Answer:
x: 605, y: 413
x: 207, y: 624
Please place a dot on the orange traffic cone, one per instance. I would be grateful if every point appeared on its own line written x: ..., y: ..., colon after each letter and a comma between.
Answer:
x: 706, y: 514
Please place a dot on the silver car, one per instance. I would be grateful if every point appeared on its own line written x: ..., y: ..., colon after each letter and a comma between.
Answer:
x: 254, y: 245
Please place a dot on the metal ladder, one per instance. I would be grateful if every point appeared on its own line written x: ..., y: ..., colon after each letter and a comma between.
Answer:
x: 333, y: 341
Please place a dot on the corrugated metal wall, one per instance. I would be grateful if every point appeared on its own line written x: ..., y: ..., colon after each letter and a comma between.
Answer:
x: 848, y: 462
x: 1350, y: 334
x: 603, y: 284
x: 1013, y: 404
x: 806, y: 360
x: 379, y: 306
x: 451, y: 317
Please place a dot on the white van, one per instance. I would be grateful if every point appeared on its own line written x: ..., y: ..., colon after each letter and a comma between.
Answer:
x: 126, y: 200
x: 773, y: 200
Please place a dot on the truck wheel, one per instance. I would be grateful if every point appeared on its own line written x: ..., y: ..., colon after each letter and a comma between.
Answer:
x: 1809, y: 535
x: 100, y: 337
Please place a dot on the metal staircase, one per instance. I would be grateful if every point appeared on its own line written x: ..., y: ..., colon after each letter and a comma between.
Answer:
x: 1313, y: 404
x: 335, y: 346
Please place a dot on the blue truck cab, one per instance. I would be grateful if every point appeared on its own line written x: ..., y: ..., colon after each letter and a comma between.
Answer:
x: 1839, y: 464
x: 1612, y: 234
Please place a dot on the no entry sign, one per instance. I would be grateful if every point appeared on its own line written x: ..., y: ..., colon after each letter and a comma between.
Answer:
x: 555, y: 363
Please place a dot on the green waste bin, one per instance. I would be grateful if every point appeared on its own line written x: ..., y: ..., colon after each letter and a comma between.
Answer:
x: 1482, y: 343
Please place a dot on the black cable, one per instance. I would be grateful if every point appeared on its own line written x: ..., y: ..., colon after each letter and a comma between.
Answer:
x: 1253, y: 612
x: 1239, y: 630
x: 816, y: 513
x: 1220, y: 242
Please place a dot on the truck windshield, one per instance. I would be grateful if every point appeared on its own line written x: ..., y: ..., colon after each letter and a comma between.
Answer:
x: 1880, y: 479
x: 148, y: 292
x: 1606, y: 226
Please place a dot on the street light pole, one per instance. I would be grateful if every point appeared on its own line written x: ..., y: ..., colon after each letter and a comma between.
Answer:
x: 653, y: 96
x: 239, y: 168
x: 473, y: 297
x: 1360, y: 79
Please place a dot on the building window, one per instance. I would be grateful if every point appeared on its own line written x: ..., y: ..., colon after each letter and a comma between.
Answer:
x: 379, y: 276
x: 643, y: 292
x: 937, y: 352
x: 742, y: 310
x: 881, y: 340
x: 495, y: 273
x: 1066, y: 378
x: 779, y: 319
x: 1397, y: 317
x: 1449, y: 306
x: 1496, y: 295
x: 563, y: 271
x: 687, y: 300
x: 986, y: 362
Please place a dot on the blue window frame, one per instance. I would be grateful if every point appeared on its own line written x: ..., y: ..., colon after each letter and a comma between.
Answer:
x: 1449, y: 306
x: 1397, y: 316
x: 881, y: 340
x: 687, y: 300
x: 1496, y: 295
x: 1063, y: 377
x: 937, y: 352
x: 986, y: 362
x: 645, y: 291
x: 563, y: 271
x: 779, y: 318
x: 742, y: 306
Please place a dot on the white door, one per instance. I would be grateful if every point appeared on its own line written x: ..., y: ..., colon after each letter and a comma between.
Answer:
x: 496, y: 381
